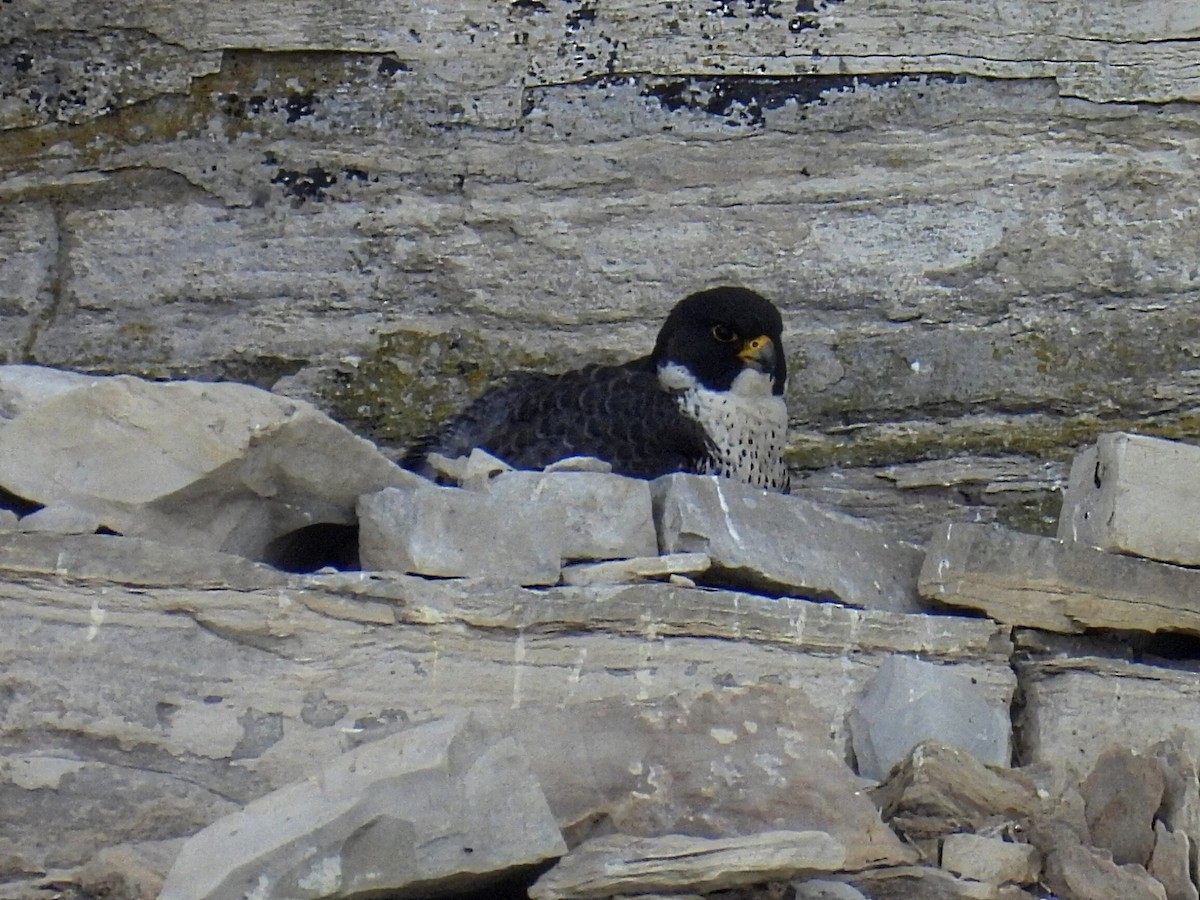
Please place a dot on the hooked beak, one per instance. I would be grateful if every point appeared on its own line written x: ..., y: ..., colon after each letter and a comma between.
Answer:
x: 759, y: 353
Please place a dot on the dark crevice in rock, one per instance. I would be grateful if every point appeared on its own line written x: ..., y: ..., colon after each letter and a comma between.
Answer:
x: 325, y: 544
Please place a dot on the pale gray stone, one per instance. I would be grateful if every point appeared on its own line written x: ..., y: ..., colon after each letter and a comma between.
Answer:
x: 671, y: 565
x: 449, y: 532
x: 26, y: 387
x: 910, y: 701
x: 1022, y: 579
x: 579, y: 464
x: 821, y: 889
x: 218, y: 466
x: 1121, y: 795
x: 618, y: 864
x: 474, y: 470
x: 990, y: 859
x: 62, y: 518
x: 446, y: 806
x: 480, y: 467
x: 783, y: 544
x: 1134, y: 494
x: 446, y: 469
x: 592, y: 514
x: 8, y: 520
x: 1170, y: 863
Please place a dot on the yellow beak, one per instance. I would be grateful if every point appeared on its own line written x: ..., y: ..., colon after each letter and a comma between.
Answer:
x: 759, y: 353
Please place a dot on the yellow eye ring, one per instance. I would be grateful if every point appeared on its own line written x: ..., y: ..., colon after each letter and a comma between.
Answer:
x: 724, y: 334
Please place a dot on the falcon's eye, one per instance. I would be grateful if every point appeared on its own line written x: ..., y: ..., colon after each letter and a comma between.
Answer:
x: 724, y: 334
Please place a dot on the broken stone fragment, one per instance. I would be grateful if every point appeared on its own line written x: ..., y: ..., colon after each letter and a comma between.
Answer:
x: 940, y: 789
x: 1170, y: 863
x: 218, y: 466
x: 593, y: 515
x: 579, y: 464
x: 448, y: 532
x: 1119, y: 490
x: 1022, y: 579
x: 928, y: 883
x: 618, y: 864
x: 474, y: 469
x: 785, y: 545
x: 1179, y: 813
x: 130, y: 871
x: 910, y: 701
x: 990, y: 859
x: 640, y: 568
x: 1077, y: 872
x: 444, y: 807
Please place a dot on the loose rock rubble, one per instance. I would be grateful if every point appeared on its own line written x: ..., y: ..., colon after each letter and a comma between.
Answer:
x: 567, y: 683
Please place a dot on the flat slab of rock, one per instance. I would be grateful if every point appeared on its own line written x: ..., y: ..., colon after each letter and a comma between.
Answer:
x: 219, y: 466
x: 439, y: 808
x: 1022, y: 579
x: 619, y: 864
x: 593, y: 515
x: 637, y: 569
x: 785, y: 545
x: 448, y: 532
x: 1130, y: 493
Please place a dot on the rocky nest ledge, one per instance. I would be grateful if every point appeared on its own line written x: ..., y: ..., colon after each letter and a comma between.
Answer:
x: 246, y: 655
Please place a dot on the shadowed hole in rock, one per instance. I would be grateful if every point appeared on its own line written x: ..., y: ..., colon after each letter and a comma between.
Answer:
x: 1169, y: 646
x: 18, y: 504
x: 313, y: 547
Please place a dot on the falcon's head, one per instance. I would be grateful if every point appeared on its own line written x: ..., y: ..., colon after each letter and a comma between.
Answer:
x: 723, y: 333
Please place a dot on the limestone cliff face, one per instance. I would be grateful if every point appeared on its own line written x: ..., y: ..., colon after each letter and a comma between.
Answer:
x: 980, y: 220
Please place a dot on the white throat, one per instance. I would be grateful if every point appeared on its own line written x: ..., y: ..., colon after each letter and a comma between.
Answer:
x: 746, y: 425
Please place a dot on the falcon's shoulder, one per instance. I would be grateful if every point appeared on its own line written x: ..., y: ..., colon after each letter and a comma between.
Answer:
x: 620, y: 414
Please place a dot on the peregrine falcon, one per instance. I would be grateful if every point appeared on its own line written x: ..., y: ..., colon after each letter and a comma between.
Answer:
x: 708, y: 399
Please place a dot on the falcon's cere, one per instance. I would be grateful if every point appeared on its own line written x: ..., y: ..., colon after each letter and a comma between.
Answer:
x: 708, y: 398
